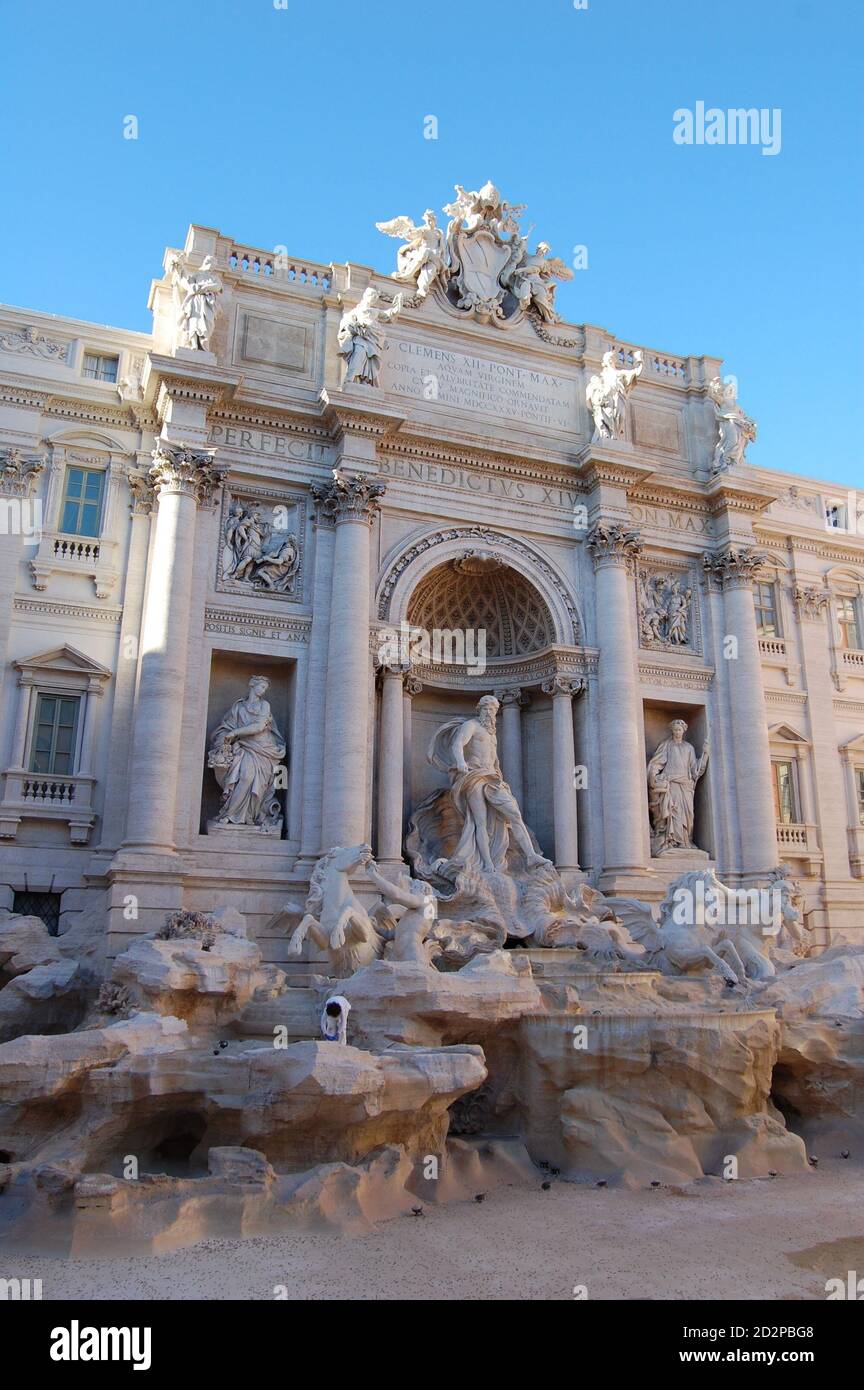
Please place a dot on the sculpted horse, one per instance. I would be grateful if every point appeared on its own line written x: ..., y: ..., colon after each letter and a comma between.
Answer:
x: 334, y: 918
x: 687, y: 939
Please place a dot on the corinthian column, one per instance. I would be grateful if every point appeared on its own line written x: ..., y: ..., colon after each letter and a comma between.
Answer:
x: 563, y: 772
x: 511, y: 740
x: 390, y: 767
x: 613, y: 549
x: 351, y: 503
x: 184, y: 479
x: 734, y: 570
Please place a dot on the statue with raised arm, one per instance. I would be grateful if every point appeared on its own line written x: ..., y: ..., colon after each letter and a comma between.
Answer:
x: 467, y: 750
x: 735, y: 430
x: 245, y: 752
x: 673, y: 772
x: 361, y: 336
x: 423, y: 257
x: 409, y: 928
x: 196, y: 297
x: 532, y: 279
x: 606, y: 395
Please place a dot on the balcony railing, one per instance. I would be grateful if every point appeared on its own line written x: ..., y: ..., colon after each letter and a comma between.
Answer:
x: 773, y: 646
x: 47, y: 797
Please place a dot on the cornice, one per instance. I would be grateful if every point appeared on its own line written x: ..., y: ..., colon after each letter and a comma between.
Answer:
x: 285, y: 421
x: 515, y: 465
x: 721, y: 494
x: 669, y: 673
x: 812, y: 545
x: 58, y: 609
x: 352, y: 411
x: 247, y: 622
x: 785, y: 697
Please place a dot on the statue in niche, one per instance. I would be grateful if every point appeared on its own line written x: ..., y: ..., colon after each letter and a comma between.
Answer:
x: 467, y: 750
x: 245, y: 752
x: 196, y: 296
x: 258, y: 552
x: 735, y: 430
x: 673, y: 772
x: 606, y: 395
x: 422, y: 259
x: 361, y: 336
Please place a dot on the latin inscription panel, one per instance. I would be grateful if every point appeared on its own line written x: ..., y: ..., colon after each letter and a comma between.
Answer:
x: 480, y: 385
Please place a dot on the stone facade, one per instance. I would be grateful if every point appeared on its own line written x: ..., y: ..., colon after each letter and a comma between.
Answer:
x: 185, y: 511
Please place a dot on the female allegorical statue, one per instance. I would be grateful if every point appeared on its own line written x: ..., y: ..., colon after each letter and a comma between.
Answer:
x: 245, y: 752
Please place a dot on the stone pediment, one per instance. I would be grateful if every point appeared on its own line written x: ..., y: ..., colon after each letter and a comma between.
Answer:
x: 788, y: 734
x: 64, y: 660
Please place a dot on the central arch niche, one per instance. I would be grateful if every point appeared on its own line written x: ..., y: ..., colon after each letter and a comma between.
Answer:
x: 480, y: 592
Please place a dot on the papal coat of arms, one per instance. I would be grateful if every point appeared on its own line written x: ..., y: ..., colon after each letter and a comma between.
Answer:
x: 482, y: 263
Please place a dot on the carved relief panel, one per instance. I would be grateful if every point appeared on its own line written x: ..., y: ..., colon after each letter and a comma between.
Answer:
x: 667, y: 608
x: 261, y: 544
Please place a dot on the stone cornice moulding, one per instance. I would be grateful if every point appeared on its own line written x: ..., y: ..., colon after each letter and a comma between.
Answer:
x: 658, y: 673
x: 614, y: 465
x: 724, y: 495
x: 786, y: 697
x: 188, y: 379
x: 239, y: 413
x: 58, y: 609
x: 517, y: 464
x: 251, y: 622
x: 358, y: 411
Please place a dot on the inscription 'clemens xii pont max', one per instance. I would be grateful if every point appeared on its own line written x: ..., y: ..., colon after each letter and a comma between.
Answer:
x: 480, y: 384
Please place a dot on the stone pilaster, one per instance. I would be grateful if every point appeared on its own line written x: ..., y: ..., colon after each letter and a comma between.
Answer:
x: 350, y: 502
x: 614, y: 548
x: 184, y: 479
x: 20, y: 515
x: 562, y: 691
x: 734, y: 569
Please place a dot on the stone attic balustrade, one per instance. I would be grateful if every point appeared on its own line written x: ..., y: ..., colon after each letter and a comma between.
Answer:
x: 674, y: 368
x: 270, y: 265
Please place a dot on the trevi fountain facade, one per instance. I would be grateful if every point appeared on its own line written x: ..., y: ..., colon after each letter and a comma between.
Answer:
x: 425, y: 736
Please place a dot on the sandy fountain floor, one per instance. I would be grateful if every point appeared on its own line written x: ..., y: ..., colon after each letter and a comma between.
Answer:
x: 774, y: 1239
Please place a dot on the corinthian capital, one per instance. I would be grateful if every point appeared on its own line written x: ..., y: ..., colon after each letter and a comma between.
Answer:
x: 18, y: 472
x: 190, y: 472
x: 811, y: 602
x: 348, y: 499
x: 734, y: 567
x: 143, y: 493
x: 613, y: 544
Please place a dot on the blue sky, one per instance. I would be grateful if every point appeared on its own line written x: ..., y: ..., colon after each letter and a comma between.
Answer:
x: 302, y: 126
